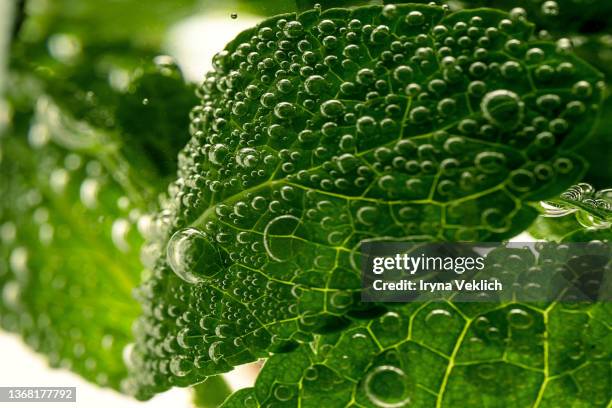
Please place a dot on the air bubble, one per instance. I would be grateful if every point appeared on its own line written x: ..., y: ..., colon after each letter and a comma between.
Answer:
x: 192, y: 256
x: 520, y: 319
x: 281, y: 241
x: 438, y: 320
x: 415, y: 18
x: 386, y: 386
x: 503, y: 108
x: 550, y: 8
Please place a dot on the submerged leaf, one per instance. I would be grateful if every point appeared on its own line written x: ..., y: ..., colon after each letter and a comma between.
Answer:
x: 320, y: 131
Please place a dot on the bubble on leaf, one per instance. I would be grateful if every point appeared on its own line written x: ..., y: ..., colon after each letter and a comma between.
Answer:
x: 191, y: 255
x: 280, y: 238
x: 503, y: 108
x: 386, y: 386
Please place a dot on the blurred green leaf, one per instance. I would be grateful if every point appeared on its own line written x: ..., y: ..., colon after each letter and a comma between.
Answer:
x: 211, y: 392
x: 139, y: 25
x: 95, y: 120
x: 69, y: 257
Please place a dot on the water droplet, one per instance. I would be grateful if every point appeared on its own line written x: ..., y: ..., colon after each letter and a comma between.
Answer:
x: 314, y: 84
x: 180, y: 366
x: 486, y: 371
x: 18, y: 260
x: 89, y: 193
x: 283, y: 392
x: 438, y: 320
x: 550, y: 8
x: 341, y: 300
x: 332, y: 108
x: 218, y: 153
x: 284, y: 110
x: 367, y: 215
x: 10, y: 295
x: 311, y: 373
x: 415, y: 18
x: 247, y: 157
x: 214, y: 351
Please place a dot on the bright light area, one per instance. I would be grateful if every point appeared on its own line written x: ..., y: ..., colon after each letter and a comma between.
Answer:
x: 21, y: 367
x: 195, y: 40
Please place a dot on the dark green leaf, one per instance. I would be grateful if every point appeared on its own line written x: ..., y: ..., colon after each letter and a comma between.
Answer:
x: 320, y: 131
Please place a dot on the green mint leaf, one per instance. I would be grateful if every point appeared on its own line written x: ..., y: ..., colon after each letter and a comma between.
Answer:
x: 68, y: 257
x: 98, y: 22
x: 144, y: 123
x: 558, y: 17
x: 319, y: 131
x: 445, y: 355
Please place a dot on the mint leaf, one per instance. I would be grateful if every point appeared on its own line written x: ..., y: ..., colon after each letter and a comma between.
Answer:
x: 319, y: 131
x: 92, y: 133
x: 69, y: 257
x: 144, y: 124
x: 445, y: 355
x: 557, y: 17
x: 599, y: 144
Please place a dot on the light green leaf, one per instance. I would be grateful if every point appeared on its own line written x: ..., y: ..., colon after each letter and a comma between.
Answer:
x: 69, y: 257
x: 81, y: 163
x: 320, y: 131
